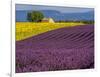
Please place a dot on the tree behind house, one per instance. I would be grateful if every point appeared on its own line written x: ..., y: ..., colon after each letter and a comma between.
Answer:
x: 35, y: 16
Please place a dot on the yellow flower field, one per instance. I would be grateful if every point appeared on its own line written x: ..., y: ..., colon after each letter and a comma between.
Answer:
x: 27, y: 29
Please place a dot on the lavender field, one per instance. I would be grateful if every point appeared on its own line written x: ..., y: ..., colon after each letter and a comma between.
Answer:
x: 61, y: 49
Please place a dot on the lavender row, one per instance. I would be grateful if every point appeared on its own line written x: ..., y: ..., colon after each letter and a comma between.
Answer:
x: 61, y: 49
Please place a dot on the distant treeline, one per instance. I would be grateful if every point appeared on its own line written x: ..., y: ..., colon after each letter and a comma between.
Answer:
x: 81, y: 21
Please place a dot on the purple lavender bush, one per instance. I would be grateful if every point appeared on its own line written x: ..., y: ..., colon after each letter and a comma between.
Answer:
x: 61, y: 49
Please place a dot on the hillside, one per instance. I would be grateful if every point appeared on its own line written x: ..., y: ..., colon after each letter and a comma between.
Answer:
x: 21, y: 15
x: 61, y: 49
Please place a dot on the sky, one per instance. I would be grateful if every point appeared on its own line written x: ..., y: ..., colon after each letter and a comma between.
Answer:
x: 57, y: 8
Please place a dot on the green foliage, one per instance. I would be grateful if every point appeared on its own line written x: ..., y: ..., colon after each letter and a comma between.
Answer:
x: 88, y: 22
x: 80, y: 21
x: 35, y: 16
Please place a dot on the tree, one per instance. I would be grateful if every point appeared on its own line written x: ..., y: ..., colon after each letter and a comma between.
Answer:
x: 35, y: 16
